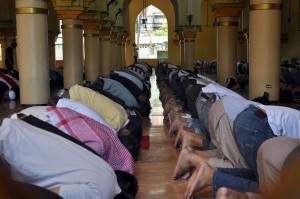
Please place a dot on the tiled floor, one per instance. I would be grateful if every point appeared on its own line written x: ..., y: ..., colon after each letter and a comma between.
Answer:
x: 156, y: 164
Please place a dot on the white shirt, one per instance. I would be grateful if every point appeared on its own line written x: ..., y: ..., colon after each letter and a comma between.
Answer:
x: 206, y: 79
x: 221, y: 91
x: 36, y: 111
x: 142, y: 66
x: 131, y: 78
x: 172, y: 66
x: 83, y: 109
x: 233, y: 106
x: 283, y: 121
x: 48, y: 160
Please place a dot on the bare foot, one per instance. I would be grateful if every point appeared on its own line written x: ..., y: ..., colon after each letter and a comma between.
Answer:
x: 187, y: 160
x: 201, y: 178
x: 192, y: 139
x: 226, y: 193
x: 173, y: 115
x: 178, y: 136
x: 173, y: 127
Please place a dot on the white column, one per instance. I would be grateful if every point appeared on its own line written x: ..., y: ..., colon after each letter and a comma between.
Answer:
x: 72, y: 52
x: 189, y: 49
x: 264, y: 46
x: 113, y: 51
x: 226, y: 48
x: 33, y: 56
x: 92, y: 51
x: 119, y: 57
x: 104, y: 52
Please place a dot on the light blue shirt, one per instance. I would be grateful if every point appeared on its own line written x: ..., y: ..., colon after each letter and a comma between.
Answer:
x: 233, y: 106
x: 220, y: 91
x: 48, y: 160
x: 120, y: 91
x: 283, y: 121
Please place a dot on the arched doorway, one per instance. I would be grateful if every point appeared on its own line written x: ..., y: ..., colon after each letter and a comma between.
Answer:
x: 151, y: 34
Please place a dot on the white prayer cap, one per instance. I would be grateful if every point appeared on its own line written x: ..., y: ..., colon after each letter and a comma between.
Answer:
x: 12, y: 95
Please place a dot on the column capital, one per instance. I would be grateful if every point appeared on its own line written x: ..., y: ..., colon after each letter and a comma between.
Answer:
x: 189, y: 34
x: 69, y: 14
x: 104, y: 31
x: 227, y: 21
x: 91, y: 24
x: 113, y: 35
x: 190, y: 28
x: 276, y: 5
x: 180, y: 37
x: 227, y: 9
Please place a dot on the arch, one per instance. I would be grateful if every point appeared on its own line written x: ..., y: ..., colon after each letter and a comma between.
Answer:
x: 134, y: 8
x: 151, y: 35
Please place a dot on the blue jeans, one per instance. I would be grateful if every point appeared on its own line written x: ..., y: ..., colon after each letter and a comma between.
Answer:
x: 251, y: 129
x: 242, y: 180
x: 195, y: 124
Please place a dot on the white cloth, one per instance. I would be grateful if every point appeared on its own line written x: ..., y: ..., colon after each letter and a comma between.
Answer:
x: 206, y: 79
x: 172, y: 66
x: 12, y: 95
x: 36, y: 111
x: 83, y: 109
x: 142, y: 66
x: 182, y: 73
x: 47, y: 160
x: 200, y: 80
x: 170, y: 76
x: 233, y: 106
x: 283, y: 121
x: 135, y: 80
x: 220, y: 91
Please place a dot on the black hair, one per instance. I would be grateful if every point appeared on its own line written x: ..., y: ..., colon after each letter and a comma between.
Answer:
x: 99, y: 82
x: 134, y: 126
x: 132, y: 144
x: 127, y: 182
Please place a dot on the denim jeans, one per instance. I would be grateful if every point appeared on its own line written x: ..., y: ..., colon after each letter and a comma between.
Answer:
x: 242, y: 180
x: 251, y: 129
x: 195, y: 124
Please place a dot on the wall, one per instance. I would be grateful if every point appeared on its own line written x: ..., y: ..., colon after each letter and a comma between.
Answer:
x: 206, y: 44
x: 206, y: 40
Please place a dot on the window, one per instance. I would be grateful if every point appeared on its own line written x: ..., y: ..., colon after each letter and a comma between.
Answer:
x: 151, y: 35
